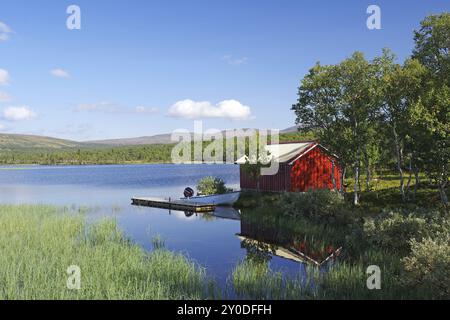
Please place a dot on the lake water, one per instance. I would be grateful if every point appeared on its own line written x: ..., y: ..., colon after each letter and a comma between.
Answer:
x: 107, y: 190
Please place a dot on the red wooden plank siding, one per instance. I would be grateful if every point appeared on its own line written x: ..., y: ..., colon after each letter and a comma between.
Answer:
x: 276, y: 182
x: 311, y: 171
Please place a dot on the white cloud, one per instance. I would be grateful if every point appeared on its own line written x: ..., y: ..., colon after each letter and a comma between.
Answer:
x: 103, y: 106
x: 4, y: 97
x: 4, y: 77
x: 229, y: 109
x: 60, y: 73
x: 234, y: 61
x: 2, y: 127
x: 18, y: 113
x: 4, y: 31
x: 142, y: 109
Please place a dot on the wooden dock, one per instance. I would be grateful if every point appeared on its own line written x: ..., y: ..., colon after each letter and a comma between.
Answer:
x: 182, y: 205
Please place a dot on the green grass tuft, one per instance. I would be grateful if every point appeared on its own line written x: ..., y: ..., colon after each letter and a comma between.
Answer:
x: 39, y: 243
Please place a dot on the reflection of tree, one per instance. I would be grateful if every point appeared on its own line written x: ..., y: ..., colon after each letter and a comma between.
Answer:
x: 258, y: 251
x: 263, y: 238
x: 208, y: 216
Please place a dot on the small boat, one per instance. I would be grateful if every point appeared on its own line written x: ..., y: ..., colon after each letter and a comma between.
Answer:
x: 225, y: 199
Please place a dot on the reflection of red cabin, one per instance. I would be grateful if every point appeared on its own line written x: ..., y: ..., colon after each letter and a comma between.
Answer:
x: 302, y: 166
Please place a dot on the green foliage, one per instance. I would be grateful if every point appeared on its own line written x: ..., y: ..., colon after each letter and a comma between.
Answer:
x: 255, y: 280
x: 211, y: 185
x: 320, y: 205
x: 431, y: 115
x: 394, y: 230
x: 366, y: 237
x: 39, y: 243
x: 432, y: 44
x: 157, y: 153
x: 251, y: 199
x: 340, y: 102
x: 298, y: 136
x: 427, y: 268
x: 373, y: 113
x: 16, y: 149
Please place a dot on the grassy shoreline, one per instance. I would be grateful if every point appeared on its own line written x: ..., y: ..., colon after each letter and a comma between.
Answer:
x: 38, y: 244
x: 409, y: 241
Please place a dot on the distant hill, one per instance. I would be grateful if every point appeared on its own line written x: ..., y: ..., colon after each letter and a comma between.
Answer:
x: 158, y: 139
x: 290, y: 129
x: 20, y: 142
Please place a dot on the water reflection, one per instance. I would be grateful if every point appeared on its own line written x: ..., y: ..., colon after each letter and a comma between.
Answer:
x: 219, y: 213
x: 262, y: 242
x: 105, y: 192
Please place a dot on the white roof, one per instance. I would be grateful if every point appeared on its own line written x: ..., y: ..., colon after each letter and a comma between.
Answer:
x: 284, y: 152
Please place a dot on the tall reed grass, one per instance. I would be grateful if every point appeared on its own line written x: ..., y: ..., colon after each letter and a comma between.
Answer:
x: 38, y: 243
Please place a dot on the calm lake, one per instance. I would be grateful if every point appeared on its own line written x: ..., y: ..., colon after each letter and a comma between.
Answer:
x: 210, y: 240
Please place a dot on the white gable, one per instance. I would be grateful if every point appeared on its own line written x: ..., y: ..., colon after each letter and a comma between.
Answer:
x: 283, y: 152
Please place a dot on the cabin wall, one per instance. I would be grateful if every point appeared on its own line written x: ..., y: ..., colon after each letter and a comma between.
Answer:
x: 313, y: 171
x: 277, y: 182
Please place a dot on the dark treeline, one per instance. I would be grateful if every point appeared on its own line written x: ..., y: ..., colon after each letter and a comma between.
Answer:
x: 118, y: 155
x: 156, y: 153
x: 373, y: 113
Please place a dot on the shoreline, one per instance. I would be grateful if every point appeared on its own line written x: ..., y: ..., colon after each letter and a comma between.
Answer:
x: 3, y: 166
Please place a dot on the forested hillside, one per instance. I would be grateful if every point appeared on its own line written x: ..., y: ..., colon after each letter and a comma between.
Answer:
x: 73, y: 153
x: 14, y: 142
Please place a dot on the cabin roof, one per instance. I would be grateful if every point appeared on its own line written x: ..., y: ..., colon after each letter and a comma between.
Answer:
x: 285, y: 152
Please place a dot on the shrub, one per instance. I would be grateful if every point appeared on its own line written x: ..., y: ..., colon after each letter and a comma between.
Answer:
x: 322, y: 205
x: 427, y: 268
x: 394, y: 230
x: 211, y: 185
x: 252, y: 199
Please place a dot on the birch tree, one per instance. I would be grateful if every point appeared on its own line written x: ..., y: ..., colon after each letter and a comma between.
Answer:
x: 317, y: 109
x: 358, y: 106
x: 400, y: 89
x: 339, y: 103
x: 432, y: 114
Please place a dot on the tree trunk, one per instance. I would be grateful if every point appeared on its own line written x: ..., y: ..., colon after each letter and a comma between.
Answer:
x: 442, y: 187
x: 416, y: 185
x: 333, y: 178
x: 398, y: 151
x: 409, y: 178
x: 444, y: 197
x: 356, y: 187
x: 344, y: 170
x: 367, y: 164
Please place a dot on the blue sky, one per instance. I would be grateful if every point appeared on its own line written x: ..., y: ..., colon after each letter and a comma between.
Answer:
x: 146, y: 67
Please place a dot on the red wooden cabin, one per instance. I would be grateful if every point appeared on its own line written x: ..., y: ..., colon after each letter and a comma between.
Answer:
x: 302, y: 166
